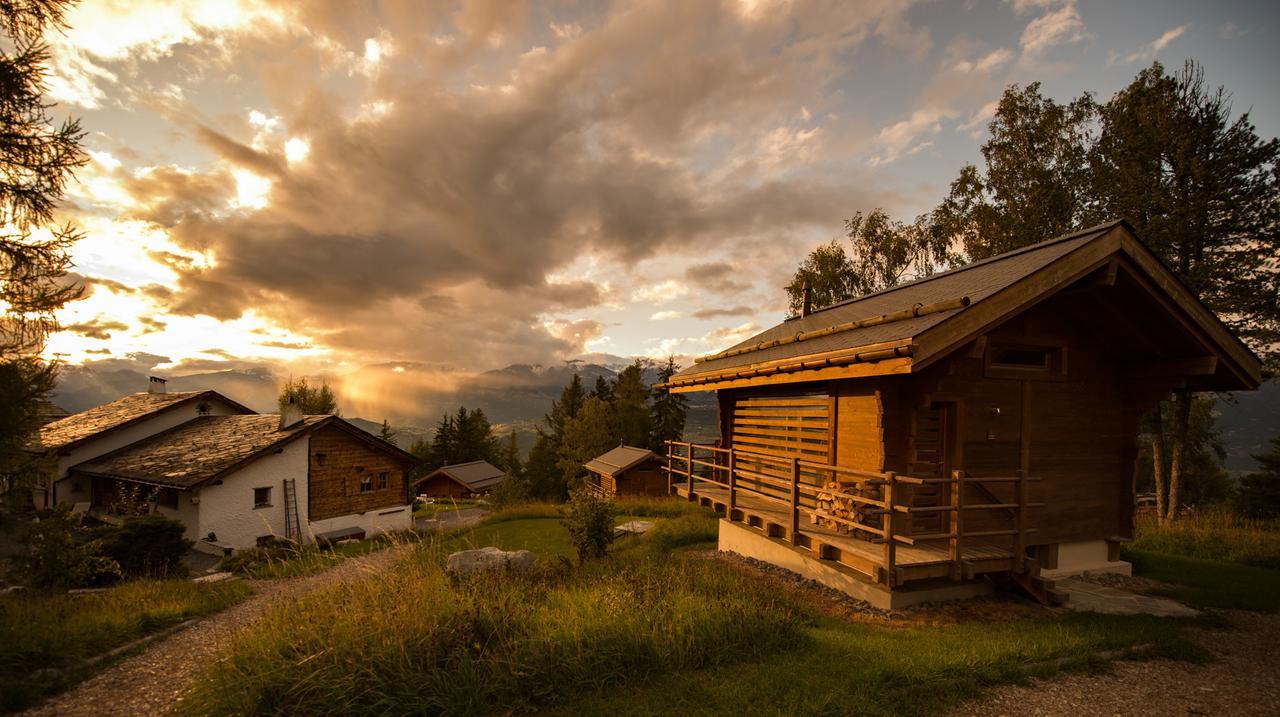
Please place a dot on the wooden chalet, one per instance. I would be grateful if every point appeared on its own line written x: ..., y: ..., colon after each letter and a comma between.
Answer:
x: 626, y: 470
x: 461, y: 480
x: 979, y: 422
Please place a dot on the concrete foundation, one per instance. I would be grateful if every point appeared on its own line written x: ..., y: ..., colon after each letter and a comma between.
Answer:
x: 749, y: 542
x: 1088, y: 556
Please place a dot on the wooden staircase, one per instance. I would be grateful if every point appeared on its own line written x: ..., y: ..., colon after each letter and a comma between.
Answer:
x: 1042, y: 590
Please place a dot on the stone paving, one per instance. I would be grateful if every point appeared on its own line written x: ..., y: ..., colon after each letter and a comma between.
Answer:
x: 1091, y: 597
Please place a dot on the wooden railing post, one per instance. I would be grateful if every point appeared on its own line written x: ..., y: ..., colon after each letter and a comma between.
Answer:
x: 688, y: 467
x: 890, y: 545
x: 1020, y: 538
x: 957, y: 524
x: 671, y: 483
x: 795, y: 498
x: 728, y: 512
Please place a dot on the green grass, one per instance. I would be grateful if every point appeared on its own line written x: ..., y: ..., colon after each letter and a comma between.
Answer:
x: 1209, y: 583
x: 443, y: 505
x: 650, y: 629
x: 837, y: 667
x: 1213, y: 535
x: 292, y: 562
x: 47, y: 638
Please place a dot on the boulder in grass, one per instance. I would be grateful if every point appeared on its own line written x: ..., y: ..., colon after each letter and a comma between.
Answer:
x: 469, y: 562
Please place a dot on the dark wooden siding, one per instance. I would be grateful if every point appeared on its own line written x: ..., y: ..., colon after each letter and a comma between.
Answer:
x: 336, y: 463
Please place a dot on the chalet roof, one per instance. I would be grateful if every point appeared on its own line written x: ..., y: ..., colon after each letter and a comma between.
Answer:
x: 199, y: 450
x: 917, y: 322
x: 619, y: 460
x: 77, y: 428
x: 476, y: 475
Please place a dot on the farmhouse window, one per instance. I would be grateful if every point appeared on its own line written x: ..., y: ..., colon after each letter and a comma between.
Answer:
x: 366, y: 483
x: 261, y: 497
x: 384, y: 480
x: 167, y: 498
x: 1026, y: 360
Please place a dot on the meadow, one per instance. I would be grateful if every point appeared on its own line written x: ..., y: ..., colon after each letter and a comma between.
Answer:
x: 49, y: 640
x: 659, y: 625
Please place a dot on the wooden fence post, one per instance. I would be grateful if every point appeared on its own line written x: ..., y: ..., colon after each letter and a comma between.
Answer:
x: 890, y: 545
x: 795, y: 498
x: 728, y: 513
x: 1020, y: 538
x: 671, y: 483
x: 688, y: 467
x: 957, y: 547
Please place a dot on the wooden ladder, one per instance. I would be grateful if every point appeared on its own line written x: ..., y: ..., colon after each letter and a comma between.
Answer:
x: 292, y: 529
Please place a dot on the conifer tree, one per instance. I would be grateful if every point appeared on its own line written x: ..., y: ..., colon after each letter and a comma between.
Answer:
x: 631, y: 422
x: 669, y: 410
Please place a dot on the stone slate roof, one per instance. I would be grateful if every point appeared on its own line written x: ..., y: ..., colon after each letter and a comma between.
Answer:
x: 79, y: 427
x: 199, y: 450
x: 619, y: 460
x: 977, y: 281
x: 476, y: 475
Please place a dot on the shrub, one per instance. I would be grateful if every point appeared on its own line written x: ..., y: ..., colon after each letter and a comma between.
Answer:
x: 61, y: 559
x: 147, y: 546
x: 589, y: 520
x: 510, y: 492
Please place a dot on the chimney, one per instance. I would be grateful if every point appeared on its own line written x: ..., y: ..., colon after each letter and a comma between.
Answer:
x: 290, y: 415
x: 806, y: 304
x: 156, y: 385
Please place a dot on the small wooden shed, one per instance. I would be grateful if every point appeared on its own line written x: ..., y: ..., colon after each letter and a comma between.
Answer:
x: 627, y: 470
x: 461, y: 480
x: 981, y: 421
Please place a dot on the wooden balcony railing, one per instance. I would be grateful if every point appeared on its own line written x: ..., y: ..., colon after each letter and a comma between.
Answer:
x: 691, y: 467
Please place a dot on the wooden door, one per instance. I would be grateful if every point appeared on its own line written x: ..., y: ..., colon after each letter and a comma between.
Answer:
x: 932, y: 443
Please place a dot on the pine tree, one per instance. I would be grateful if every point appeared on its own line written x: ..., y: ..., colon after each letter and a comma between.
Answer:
x: 546, y: 481
x: 1259, y: 495
x: 669, y: 410
x: 510, y: 459
x: 37, y: 158
x: 603, y: 389
x: 631, y: 422
x: 386, y: 433
x: 566, y: 407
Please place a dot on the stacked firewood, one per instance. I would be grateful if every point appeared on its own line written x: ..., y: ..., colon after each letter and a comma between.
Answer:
x: 834, y: 510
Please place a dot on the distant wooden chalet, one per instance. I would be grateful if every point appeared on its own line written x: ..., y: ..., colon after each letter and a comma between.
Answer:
x: 982, y: 421
x: 626, y: 470
x: 232, y: 476
x: 461, y: 480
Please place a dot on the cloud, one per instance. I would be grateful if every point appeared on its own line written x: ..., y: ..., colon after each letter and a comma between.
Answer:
x: 1148, y: 51
x: 1062, y: 26
x: 665, y: 315
x: 1231, y: 31
x: 96, y: 329
x: 719, y: 312
x: 717, y: 277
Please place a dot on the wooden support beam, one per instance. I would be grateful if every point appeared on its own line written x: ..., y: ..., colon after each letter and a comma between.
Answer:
x: 1174, y: 368
x: 890, y: 545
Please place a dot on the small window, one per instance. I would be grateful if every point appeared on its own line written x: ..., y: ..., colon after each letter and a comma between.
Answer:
x: 261, y: 497
x: 384, y: 480
x: 366, y: 483
x: 1040, y: 361
x: 1020, y: 357
x: 167, y: 498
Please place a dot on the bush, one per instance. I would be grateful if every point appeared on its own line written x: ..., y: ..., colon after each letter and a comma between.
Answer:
x: 589, y: 520
x: 510, y: 492
x: 147, y: 546
x: 61, y: 559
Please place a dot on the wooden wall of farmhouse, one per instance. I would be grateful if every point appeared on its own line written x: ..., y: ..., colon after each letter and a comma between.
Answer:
x: 337, y: 462
x: 645, y: 479
x: 1071, y: 430
x: 443, y: 487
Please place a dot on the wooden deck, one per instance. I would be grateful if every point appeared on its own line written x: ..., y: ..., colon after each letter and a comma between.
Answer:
x: 912, y: 562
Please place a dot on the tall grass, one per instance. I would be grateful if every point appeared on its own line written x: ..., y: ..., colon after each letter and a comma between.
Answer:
x: 45, y: 639
x: 412, y: 641
x: 1215, y: 534
x: 291, y: 561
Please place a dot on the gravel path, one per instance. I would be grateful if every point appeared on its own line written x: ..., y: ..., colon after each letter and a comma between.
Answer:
x: 153, y: 681
x: 1243, y: 680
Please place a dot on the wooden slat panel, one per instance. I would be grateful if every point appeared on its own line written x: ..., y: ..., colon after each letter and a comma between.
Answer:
x: 797, y: 401
x: 795, y: 433
x: 787, y: 413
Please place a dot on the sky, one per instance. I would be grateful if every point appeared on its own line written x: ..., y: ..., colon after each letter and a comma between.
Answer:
x: 326, y: 186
